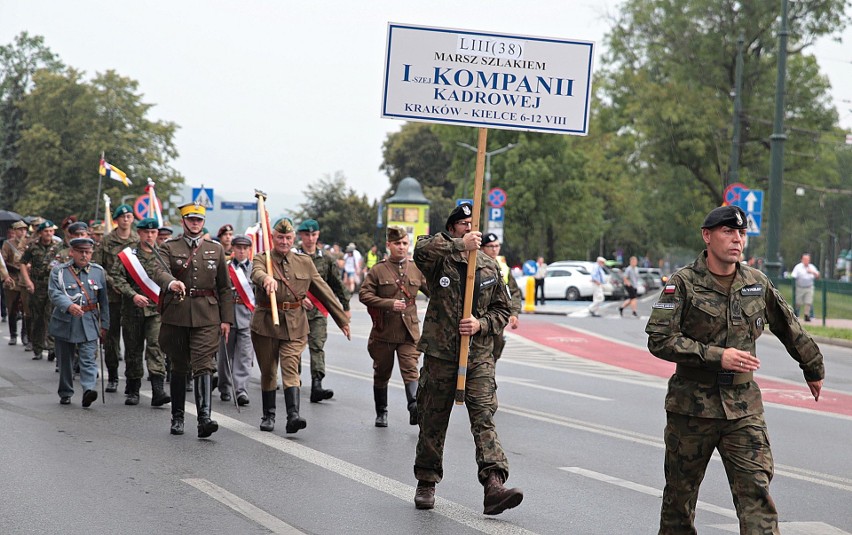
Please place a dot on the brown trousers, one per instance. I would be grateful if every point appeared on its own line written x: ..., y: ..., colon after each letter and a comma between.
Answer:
x: 272, y: 353
x: 382, y: 354
x: 191, y: 350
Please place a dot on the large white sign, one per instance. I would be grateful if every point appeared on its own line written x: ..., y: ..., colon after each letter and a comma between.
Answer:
x: 487, y: 79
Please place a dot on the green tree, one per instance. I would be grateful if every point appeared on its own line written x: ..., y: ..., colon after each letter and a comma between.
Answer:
x: 343, y: 215
x: 19, y: 61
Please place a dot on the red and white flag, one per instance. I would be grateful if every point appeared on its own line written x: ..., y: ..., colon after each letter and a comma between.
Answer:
x: 242, y: 286
x: 135, y: 269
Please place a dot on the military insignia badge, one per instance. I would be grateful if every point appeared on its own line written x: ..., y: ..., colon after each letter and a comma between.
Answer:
x: 739, y: 218
x: 669, y: 289
x: 466, y: 209
x: 759, y: 323
x: 444, y: 282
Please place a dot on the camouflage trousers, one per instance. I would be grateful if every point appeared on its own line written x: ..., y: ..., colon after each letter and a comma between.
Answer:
x: 41, y: 309
x: 499, y: 344
x: 435, y: 399
x: 317, y: 336
x: 141, y: 334
x: 744, y: 447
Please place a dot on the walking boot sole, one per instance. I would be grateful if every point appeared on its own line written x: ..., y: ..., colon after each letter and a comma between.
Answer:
x: 507, y: 503
x: 295, y: 425
x: 159, y: 401
x: 177, y: 427
x: 207, y: 429
x: 322, y: 395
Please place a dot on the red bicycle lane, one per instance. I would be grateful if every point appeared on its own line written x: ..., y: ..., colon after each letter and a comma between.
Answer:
x: 623, y: 355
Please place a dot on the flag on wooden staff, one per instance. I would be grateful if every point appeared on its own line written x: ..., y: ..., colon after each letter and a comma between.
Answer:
x: 108, y: 223
x: 110, y: 171
x: 154, y: 209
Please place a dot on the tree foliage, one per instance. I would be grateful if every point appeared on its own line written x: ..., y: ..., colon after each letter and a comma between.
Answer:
x: 343, y: 215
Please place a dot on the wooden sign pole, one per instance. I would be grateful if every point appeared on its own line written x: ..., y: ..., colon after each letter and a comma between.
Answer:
x: 464, y: 350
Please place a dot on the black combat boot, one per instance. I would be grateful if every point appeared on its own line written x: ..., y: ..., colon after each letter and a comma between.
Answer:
x: 380, y: 396
x: 497, y: 497
x: 291, y: 400
x: 112, y: 380
x: 267, y: 423
x: 424, y: 496
x: 133, y: 386
x: 177, y: 389
x: 159, y: 396
x: 318, y: 393
x: 203, y: 394
x: 411, y: 396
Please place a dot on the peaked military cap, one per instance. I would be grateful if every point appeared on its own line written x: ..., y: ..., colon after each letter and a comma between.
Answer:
x: 283, y: 225
x: 462, y: 211
x: 120, y: 210
x: 19, y: 224
x: 149, y: 223
x: 82, y: 243
x: 396, y: 233
x: 490, y: 238
x: 193, y: 209
x: 728, y: 216
x: 97, y: 227
x: 77, y: 227
x: 166, y: 230
x: 241, y: 239
x: 308, y: 225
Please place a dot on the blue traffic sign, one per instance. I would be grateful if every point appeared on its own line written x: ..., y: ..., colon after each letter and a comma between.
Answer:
x: 462, y: 201
x: 203, y: 196
x: 495, y: 214
x: 228, y: 205
x: 751, y: 201
x: 753, y: 224
x: 530, y: 267
x: 496, y: 198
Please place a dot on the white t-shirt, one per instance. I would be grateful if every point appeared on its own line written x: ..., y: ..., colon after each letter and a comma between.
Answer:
x: 352, y: 261
x: 804, y: 275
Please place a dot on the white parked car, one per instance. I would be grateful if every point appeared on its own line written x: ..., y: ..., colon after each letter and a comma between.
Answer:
x: 586, y: 268
x: 563, y: 283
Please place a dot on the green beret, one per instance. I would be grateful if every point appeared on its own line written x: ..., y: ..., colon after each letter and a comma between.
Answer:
x: 462, y: 211
x: 728, y: 216
x: 149, y: 223
x: 283, y: 225
x: 396, y: 233
x: 120, y: 210
x: 308, y: 225
x: 46, y: 224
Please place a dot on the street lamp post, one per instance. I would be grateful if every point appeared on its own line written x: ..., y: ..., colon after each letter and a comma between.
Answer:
x: 487, y: 168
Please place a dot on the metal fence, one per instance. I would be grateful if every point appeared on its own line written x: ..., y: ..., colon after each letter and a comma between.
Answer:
x: 828, y: 294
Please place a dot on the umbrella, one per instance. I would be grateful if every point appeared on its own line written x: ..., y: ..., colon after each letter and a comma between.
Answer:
x: 7, y: 216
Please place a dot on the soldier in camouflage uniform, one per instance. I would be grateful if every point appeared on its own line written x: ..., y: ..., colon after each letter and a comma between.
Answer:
x: 442, y: 259
x: 106, y: 255
x: 141, y: 327
x: 36, y: 264
x: 491, y: 247
x: 707, y: 320
x: 309, y: 233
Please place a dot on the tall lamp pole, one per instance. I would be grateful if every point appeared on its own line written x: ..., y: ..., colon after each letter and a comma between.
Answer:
x: 487, y: 168
x: 773, y: 258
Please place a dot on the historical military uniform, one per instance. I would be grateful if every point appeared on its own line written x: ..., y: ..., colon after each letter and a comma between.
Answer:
x: 443, y: 261
x: 317, y: 320
x: 85, y: 286
x: 17, y: 297
x: 191, y: 323
x: 696, y: 318
x: 393, y: 331
x: 282, y: 346
x: 41, y: 258
x: 140, y: 325
x: 107, y: 256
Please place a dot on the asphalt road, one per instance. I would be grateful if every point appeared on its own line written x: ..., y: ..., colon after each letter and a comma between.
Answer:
x: 581, y: 419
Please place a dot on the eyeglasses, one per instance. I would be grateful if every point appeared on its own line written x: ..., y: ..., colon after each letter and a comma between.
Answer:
x: 464, y: 223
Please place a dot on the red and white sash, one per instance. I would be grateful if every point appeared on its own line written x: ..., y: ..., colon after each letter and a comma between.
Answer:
x: 135, y: 269
x: 242, y: 286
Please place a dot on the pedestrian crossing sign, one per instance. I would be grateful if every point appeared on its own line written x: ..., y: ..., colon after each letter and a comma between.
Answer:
x: 203, y: 196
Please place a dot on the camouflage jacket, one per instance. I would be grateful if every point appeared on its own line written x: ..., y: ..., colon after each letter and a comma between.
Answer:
x: 41, y: 259
x: 128, y: 287
x: 443, y: 261
x: 107, y: 256
x: 695, y: 320
x: 327, y: 268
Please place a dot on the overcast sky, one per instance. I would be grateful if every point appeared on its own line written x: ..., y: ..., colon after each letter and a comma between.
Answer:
x: 276, y: 94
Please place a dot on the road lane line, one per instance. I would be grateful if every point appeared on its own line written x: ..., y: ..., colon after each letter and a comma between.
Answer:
x: 444, y: 507
x: 651, y: 491
x: 512, y: 380
x: 255, y: 514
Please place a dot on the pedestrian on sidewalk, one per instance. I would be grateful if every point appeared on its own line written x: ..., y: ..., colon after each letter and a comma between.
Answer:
x: 538, y: 277
x: 631, y: 282
x: 804, y: 273
x: 598, y: 279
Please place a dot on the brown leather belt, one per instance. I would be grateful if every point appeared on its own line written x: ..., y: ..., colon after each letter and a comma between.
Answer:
x: 89, y: 308
x: 720, y: 378
x: 195, y: 292
x: 286, y: 305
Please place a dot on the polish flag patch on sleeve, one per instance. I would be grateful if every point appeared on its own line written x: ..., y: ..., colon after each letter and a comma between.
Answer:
x: 669, y: 289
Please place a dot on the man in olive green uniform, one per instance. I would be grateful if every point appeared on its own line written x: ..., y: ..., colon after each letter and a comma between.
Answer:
x: 491, y: 247
x: 443, y: 259
x: 141, y: 329
x: 309, y: 233
x: 17, y: 298
x: 390, y: 293
x: 293, y: 276
x: 707, y: 320
x: 121, y: 237
x: 197, y: 307
x: 36, y: 263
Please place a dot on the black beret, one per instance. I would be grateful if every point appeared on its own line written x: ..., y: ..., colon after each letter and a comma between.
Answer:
x: 241, y: 239
x: 462, y: 211
x: 489, y: 238
x: 728, y: 216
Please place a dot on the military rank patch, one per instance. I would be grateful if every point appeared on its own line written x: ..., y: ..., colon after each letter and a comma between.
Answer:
x: 754, y: 289
x: 488, y: 282
x: 664, y: 306
x: 669, y: 289
x: 444, y: 282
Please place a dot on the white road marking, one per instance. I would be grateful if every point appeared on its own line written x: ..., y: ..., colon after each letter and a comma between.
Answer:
x: 794, y: 528
x: 447, y: 508
x: 259, y: 516
x: 524, y: 382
